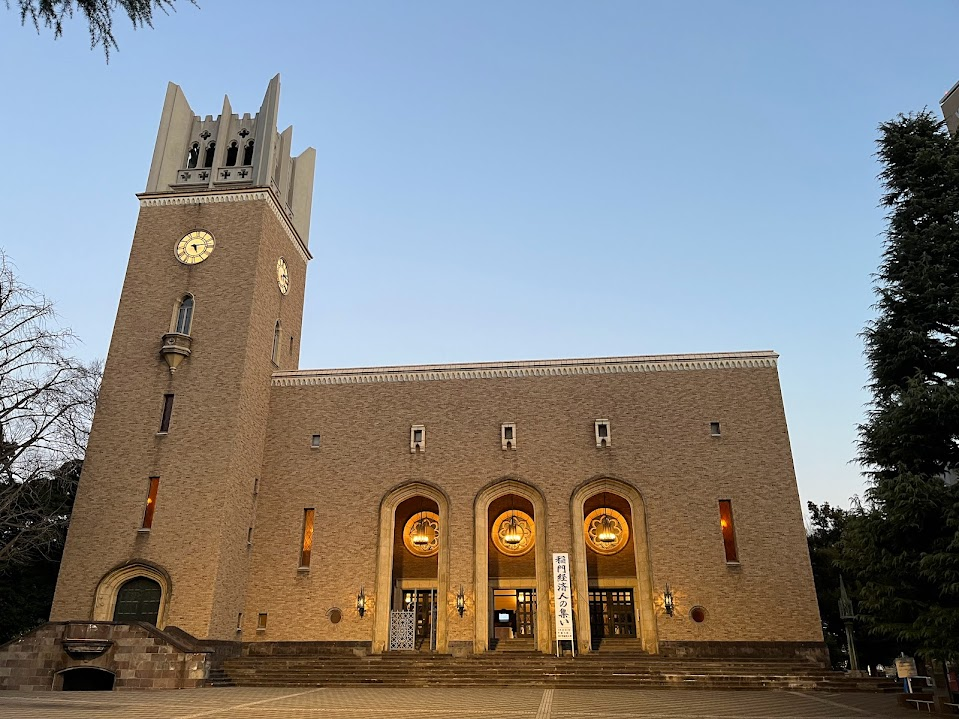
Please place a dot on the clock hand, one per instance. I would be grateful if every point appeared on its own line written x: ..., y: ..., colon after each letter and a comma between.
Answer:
x: 194, y: 247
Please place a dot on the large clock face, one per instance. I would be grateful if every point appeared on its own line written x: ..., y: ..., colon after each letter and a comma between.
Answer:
x: 195, y: 247
x: 282, y: 276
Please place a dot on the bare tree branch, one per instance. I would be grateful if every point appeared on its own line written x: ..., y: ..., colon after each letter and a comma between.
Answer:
x: 47, y: 400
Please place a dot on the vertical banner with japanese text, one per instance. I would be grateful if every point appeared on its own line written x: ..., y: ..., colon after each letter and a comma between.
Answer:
x: 564, y: 598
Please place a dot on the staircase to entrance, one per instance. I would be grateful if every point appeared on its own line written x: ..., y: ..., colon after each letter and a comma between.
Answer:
x: 523, y: 668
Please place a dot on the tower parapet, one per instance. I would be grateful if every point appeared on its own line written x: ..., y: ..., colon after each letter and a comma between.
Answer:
x: 231, y: 152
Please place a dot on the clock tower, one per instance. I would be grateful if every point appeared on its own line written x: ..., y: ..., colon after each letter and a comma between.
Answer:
x: 211, y: 306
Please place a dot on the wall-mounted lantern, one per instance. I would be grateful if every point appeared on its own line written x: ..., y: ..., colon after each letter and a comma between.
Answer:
x: 461, y: 601
x: 361, y: 602
x: 668, y: 600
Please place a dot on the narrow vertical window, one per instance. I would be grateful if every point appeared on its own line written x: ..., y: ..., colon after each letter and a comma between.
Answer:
x: 239, y: 621
x: 729, y: 534
x: 184, y: 315
x: 208, y: 158
x: 714, y: 429
x: 261, y: 622
x: 602, y: 433
x: 508, y: 435
x: 167, y: 413
x: 248, y: 153
x: 307, y: 546
x: 249, y: 536
x: 417, y: 438
x: 193, y: 157
x: 231, y: 152
x: 315, y: 441
x: 276, y: 341
x: 151, y: 503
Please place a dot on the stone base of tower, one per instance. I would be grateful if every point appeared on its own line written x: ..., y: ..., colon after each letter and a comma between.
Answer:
x: 102, y: 655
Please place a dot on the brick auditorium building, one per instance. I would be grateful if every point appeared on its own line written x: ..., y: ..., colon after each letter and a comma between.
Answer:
x: 230, y: 499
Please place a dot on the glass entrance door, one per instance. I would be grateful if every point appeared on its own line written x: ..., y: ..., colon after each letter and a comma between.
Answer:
x: 611, y: 613
x: 525, y: 613
x: 514, y: 614
x: 422, y: 602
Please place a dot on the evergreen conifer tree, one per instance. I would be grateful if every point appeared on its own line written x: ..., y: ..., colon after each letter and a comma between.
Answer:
x: 904, y: 548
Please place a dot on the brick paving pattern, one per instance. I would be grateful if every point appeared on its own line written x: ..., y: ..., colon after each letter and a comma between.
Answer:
x: 379, y: 703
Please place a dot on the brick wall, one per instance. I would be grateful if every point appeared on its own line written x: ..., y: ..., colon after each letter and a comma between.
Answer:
x: 661, y: 445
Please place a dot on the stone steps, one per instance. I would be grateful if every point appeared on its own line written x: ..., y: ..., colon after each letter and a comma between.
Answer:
x: 620, y: 670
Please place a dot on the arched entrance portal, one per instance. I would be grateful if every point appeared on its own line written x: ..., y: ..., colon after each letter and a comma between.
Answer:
x: 138, y: 601
x: 133, y: 592
x: 413, y: 568
x: 512, y: 574
x: 611, y: 569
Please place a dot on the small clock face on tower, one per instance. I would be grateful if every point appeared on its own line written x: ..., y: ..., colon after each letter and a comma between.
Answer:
x: 282, y: 276
x: 195, y: 247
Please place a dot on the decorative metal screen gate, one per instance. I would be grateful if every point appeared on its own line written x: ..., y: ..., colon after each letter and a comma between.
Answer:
x: 402, y: 630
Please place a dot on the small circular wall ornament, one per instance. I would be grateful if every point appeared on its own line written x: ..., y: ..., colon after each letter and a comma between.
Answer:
x: 427, y: 531
x: 194, y: 247
x: 606, y: 530
x: 698, y: 614
x: 335, y: 615
x: 513, y: 533
x: 282, y: 276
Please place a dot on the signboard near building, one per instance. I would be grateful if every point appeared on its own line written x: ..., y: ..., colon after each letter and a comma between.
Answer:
x: 563, y: 608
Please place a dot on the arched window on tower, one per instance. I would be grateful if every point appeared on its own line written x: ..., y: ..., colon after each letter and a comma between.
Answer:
x: 248, y: 153
x: 231, y: 152
x: 276, y: 341
x: 193, y: 156
x: 184, y: 315
x: 208, y: 158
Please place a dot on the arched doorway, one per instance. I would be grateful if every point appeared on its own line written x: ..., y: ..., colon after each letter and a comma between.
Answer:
x: 146, y: 600
x: 611, y: 569
x: 87, y: 679
x: 512, y: 574
x: 138, y: 600
x: 413, y: 567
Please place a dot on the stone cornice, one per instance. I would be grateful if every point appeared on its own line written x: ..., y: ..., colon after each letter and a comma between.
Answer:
x: 533, y: 368
x: 162, y: 199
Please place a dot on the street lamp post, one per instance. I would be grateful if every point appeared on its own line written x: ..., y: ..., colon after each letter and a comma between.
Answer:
x: 848, y: 615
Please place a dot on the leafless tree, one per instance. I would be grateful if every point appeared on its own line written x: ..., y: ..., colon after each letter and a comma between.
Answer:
x: 47, y: 400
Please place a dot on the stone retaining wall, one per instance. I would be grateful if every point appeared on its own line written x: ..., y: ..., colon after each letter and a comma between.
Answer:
x: 138, y: 655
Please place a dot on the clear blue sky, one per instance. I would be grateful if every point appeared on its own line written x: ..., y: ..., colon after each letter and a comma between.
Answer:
x: 515, y: 180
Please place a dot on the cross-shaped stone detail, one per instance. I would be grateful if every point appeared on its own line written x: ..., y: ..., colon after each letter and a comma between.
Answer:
x: 205, y: 134
x: 243, y: 173
x: 244, y: 132
x: 204, y: 175
x: 185, y: 175
x: 225, y: 174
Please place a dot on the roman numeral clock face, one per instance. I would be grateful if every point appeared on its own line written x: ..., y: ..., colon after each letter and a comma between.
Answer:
x: 195, y: 247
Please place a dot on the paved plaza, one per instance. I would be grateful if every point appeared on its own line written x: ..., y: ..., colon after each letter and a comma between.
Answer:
x: 381, y: 703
